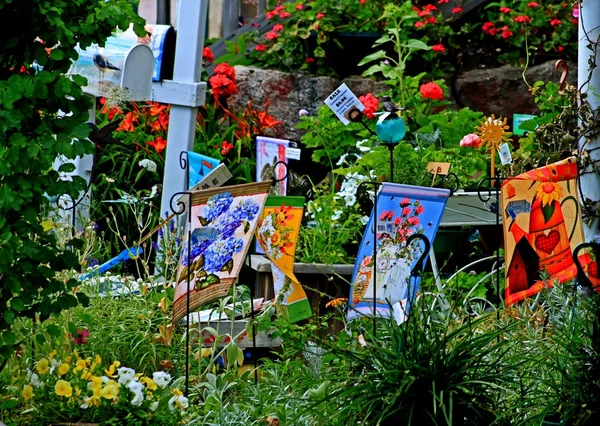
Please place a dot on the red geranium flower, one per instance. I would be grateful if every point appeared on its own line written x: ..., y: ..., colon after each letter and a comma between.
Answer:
x: 457, y: 10
x: 225, y: 148
x: 278, y: 27
x: 284, y: 15
x: 533, y: 4
x: 271, y: 35
x: 225, y: 69
x: 405, y: 202
x: 506, y: 32
x: 208, y: 55
x: 221, y: 85
x: 320, y: 15
x: 371, y: 104
x: 260, y: 47
x: 438, y: 48
x: 430, y: 20
x: 522, y: 19
x: 555, y: 22
x: 158, y: 144
x: 504, y: 9
x: 429, y: 7
x: 431, y: 91
x: 419, y: 209
x: 560, y: 48
x: 127, y: 123
x: 299, y: 6
x: 490, y: 28
x: 443, y: 1
x: 310, y: 60
x: 423, y: 13
x: 419, y: 24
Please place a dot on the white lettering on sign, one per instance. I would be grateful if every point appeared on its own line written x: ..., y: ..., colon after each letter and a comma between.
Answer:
x: 341, y: 101
x: 292, y: 153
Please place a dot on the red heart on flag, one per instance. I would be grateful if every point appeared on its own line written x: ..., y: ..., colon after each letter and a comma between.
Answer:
x: 547, y: 243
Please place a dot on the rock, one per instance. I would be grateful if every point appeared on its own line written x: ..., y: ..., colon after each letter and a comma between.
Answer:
x: 288, y: 93
x: 502, y: 91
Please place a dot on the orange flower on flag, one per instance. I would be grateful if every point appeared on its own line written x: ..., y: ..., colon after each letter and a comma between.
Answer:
x: 548, y: 192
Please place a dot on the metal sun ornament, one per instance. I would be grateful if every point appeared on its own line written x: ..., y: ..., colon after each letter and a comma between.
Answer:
x: 492, y: 132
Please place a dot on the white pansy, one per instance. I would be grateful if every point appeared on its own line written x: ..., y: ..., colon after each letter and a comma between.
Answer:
x: 178, y: 402
x: 148, y: 165
x: 364, y: 220
x: 361, y: 147
x: 125, y: 375
x: 154, y: 406
x: 161, y: 379
x: 337, y: 215
x: 138, y: 398
x: 135, y: 386
x: 34, y: 379
x: 341, y: 160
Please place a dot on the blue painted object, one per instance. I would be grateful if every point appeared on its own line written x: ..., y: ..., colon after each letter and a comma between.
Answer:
x: 121, y: 257
x: 391, y: 130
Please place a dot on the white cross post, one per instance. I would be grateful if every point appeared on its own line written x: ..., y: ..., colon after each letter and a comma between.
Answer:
x: 185, y: 93
x: 589, y: 35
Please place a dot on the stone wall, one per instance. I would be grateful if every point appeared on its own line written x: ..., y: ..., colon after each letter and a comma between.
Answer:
x: 500, y: 91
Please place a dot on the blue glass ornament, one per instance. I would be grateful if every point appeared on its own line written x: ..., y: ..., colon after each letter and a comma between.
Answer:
x: 391, y: 130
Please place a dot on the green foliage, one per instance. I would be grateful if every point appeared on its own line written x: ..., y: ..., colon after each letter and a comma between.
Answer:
x: 33, y: 133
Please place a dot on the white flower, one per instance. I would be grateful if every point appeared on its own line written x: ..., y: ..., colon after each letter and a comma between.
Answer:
x: 148, y: 165
x: 135, y: 386
x: 161, y: 379
x: 34, y: 379
x: 362, y: 148
x: 154, y: 406
x: 364, y: 220
x: 125, y: 375
x: 341, y: 160
x: 336, y: 215
x: 137, y: 399
x: 302, y: 112
x: 350, y: 200
x: 54, y: 363
x: 85, y: 404
x: 178, y: 402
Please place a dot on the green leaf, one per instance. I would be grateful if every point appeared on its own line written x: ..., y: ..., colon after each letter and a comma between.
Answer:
x: 53, y: 330
x: 380, y: 54
x: 383, y: 39
x: 73, y: 329
x: 57, y: 54
x: 9, y: 338
x: 17, y: 304
x: 40, y: 338
x: 9, y: 404
x: 372, y: 70
x: 9, y: 316
x: 415, y: 44
x: 84, y: 300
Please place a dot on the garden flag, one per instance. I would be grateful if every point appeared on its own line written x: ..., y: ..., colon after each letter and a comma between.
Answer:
x: 542, y: 226
x: 268, y: 152
x: 277, y: 233
x: 199, y: 167
x: 402, y: 210
x: 222, y: 225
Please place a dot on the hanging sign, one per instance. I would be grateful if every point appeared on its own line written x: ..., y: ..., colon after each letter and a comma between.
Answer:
x: 342, y: 101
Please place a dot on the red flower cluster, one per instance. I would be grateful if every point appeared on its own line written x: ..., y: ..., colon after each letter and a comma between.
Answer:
x: 222, y: 82
x: 127, y: 123
x: 208, y: 55
x: 523, y: 19
x: 457, y: 10
x: 504, y: 9
x: 532, y: 5
x: 506, y: 32
x: 278, y: 11
x: 371, y: 104
x: 260, y: 47
x: 112, y: 111
x: 555, y: 22
x: 438, y: 48
x: 159, y: 144
x: 82, y: 335
x: 431, y: 91
x: 490, y: 28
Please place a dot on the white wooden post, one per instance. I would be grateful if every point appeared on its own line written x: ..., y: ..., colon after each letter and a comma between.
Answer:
x: 185, y: 93
x: 589, y: 38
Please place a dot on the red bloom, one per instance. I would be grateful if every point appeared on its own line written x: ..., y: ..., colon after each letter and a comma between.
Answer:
x: 438, y: 48
x: 267, y: 121
x: 423, y: 13
x: 431, y: 91
x: 414, y: 221
x: 555, y: 22
x: 504, y: 9
x: 419, y: 209
x: 457, y: 10
x: 443, y: 1
x: 299, y: 6
x: 419, y: 24
x: 226, y: 70
x: 161, y: 123
x: 207, y: 55
x: 371, y: 104
x: 271, y: 35
x: 284, y: 15
x: 112, y: 111
x: 221, y: 85
x: 384, y: 215
x: 320, y: 15
x: 158, y: 144
x: 278, y: 27
x: 522, y: 19
x: 260, y: 47
x: 157, y: 109
x: 429, y: 7
x: 363, y: 1
x: 560, y: 48
x: 82, y: 335
x: 406, y: 211
x: 397, y: 221
x: 506, y: 32
x: 310, y: 60
x: 127, y: 123
x: 225, y: 148
x: 430, y: 20
x: 272, y: 14
x: 405, y: 202
x: 255, y: 24
x: 533, y: 4
x: 490, y: 28
x: 415, y: 8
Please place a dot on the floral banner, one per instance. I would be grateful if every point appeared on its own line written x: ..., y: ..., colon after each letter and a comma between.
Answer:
x: 542, y: 227
x: 268, y: 152
x: 223, y: 223
x: 402, y: 210
x: 277, y: 234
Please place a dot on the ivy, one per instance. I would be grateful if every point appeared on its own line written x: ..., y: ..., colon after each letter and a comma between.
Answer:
x: 43, y: 114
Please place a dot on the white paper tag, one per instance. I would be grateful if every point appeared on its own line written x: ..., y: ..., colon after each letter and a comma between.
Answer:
x: 341, y: 101
x: 505, y: 156
x: 292, y: 153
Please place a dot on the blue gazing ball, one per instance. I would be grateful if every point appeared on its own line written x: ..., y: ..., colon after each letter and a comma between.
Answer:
x: 391, y: 130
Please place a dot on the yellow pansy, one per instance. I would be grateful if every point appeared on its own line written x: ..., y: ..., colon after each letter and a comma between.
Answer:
x: 111, y: 370
x: 77, y: 391
x: 63, y: 369
x: 149, y: 383
x: 63, y: 388
x: 86, y: 374
x: 27, y: 392
x: 176, y: 391
x: 98, y: 359
x: 97, y: 387
x: 42, y: 366
x: 80, y: 365
x: 68, y: 359
x: 111, y: 390
x: 52, y: 354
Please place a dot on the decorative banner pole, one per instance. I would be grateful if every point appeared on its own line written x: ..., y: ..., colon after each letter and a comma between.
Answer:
x: 185, y: 93
x: 493, y: 132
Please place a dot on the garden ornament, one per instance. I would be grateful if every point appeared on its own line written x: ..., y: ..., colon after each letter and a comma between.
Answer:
x: 492, y: 132
x: 130, y: 253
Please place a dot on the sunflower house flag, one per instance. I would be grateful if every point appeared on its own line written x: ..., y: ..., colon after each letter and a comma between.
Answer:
x: 223, y: 221
x: 384, y: 280
x: 277, y: 234
x: 542, y: 226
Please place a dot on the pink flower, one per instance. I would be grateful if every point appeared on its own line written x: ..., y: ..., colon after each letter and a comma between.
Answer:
x: 405, y: 202
x: 278, y: 27
x: 438, y: 48
x: 419, y: 209
x: 419, y: 24
x: 575, y: 12
x: 555, y: 22
x: 302, y: 112
x: 504, y: 9
x: 457, y: 10
x: 522, y: 19
x: 533, y: 4
x: 384, y: 215
x: 299, y: 6
x: 320, y: 15
x: 260, y: 47
x: 471, y: 140
x: 271, y: 35
x: 82, y: 335
x: 284, y: 15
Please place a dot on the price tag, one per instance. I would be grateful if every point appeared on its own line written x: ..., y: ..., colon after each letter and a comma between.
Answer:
x: 505, y: 156
x: 292, y: 153
x: 342, y: 101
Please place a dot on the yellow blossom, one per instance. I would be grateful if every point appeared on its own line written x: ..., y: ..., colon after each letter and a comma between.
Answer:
x: 42, y: 366
x: 80, y: 365
x: 27, y: 392
x: 176, y: 391
x: 63, y: 388
x: 97, y: 387
x: 68, y: 359
x: 98, y: 359
x: 77, y: 391
x: 548, y: 192
x: 63, y: 369
x: 111, y: 390
x: 86, y: 374
x: 111, y: 370
x: 149, y: 383
x: 52, y: 354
